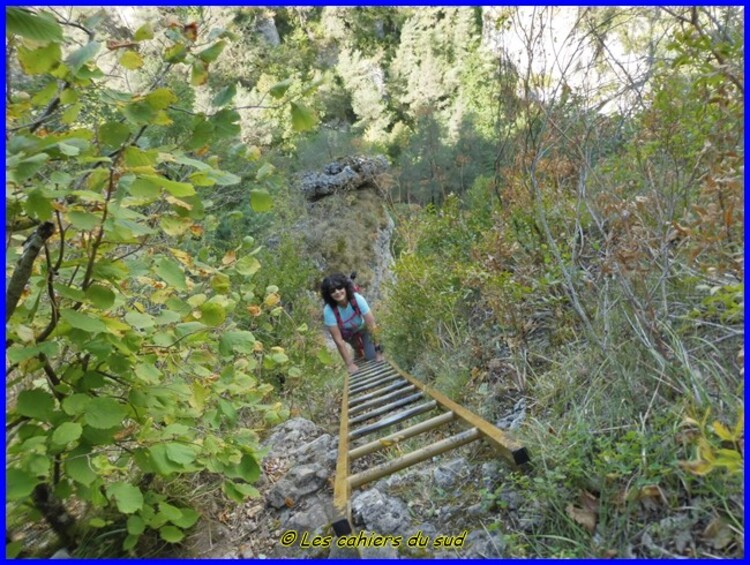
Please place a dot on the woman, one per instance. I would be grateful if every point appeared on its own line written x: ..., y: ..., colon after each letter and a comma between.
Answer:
x: 347, y: 316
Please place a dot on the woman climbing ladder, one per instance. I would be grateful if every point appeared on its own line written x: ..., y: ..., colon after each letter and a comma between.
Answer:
x: 348, y: 318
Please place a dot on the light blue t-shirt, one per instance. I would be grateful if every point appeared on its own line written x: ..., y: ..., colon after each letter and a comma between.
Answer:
x: 349, y: 317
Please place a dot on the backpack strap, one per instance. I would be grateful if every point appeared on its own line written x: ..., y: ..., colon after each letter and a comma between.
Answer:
x: 339, y: 322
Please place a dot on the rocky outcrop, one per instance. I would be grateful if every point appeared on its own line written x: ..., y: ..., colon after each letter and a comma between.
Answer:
x: 347, y: 174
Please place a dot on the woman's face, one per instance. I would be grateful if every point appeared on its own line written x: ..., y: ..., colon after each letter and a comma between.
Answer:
x: 338, y: 293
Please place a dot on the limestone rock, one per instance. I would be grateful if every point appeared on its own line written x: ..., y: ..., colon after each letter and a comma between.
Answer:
x: 347, y: 174
x: 299, y: 482
x: 381, y: 513
x: 290, y: 436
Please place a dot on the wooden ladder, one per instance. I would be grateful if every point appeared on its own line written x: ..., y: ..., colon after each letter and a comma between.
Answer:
x: 382, y: 392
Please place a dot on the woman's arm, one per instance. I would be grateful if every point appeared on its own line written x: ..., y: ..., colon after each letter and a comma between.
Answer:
x: 343, y: 349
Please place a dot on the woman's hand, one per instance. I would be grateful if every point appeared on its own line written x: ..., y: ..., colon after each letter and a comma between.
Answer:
x: 352, y: 368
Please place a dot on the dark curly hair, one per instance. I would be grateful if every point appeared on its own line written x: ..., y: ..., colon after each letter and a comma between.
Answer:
x: 333, y: 281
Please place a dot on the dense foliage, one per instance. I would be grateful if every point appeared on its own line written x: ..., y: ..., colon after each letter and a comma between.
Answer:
x: 569, y: 234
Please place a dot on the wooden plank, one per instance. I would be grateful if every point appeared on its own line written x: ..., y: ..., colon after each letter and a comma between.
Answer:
x: 387, y: 441
x: 414, y: 457
x: 507, y: 446
x: 341, y: 486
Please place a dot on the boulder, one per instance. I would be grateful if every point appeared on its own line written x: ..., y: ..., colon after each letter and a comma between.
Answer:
x: 381, y: 513
x: 347, y: 174
x: 290, y: 436
x: 299, y: 482
x: 448, y: 474
x: 482, y: 544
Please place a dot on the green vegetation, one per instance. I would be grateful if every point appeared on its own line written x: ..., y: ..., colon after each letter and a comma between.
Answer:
x: 569, y: 231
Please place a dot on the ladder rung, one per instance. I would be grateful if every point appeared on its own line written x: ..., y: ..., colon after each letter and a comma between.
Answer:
x: 372, y: 378
x: 387, y: 408
x: 381, y: 399
x: 396, y: 418
x: 373, y: 384
x: 368, y: 370
x: 370, y: 395
x: 414, y: 457
x: 400, y: 435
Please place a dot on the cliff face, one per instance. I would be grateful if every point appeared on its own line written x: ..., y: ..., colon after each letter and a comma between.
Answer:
x: 347, y: 226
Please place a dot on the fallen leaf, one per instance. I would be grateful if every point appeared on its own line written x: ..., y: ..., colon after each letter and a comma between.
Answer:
x: 229, y: 258
x: 585, y: 518
x: 718, y: 533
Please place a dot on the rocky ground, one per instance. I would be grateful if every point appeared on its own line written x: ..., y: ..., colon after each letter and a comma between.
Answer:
x: 444, y: 501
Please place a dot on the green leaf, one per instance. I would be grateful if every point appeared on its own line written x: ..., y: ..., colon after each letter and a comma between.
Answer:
x: 225, y: 95
x: 103, y: 413
x: 180, y: 453
x: 129, y: 498
x: 324, y: 356
x: 83, y: 220
x: 161, y: 462
x: 302, y: 118
x: 279, y: 89
x: 146, y: 31
x: 45, y: 95
x: 212, y: 53
x: 139, y: 321
x: 226, y: 123
x: 66, y: 433
x: 212, y: 314
x: 83, y: 321
x: 71, y: 114
x: 41, y: 60
x: 135, y: 525
x: 199, y: 74
x: 36, y: 403
x: 131, y: 60
x: 113, y: 134
x: 247, y: 469
x: 81, y: 56
x: 176, y: 53
x: 78, y: 466
x: 171, y: 273
x: 38, y: 206
x: 148, y: 373
x: 178, y: 189
x: 33, y: 26
x: 69, y: 96
x: 187, y: 518
x: 171, y: 534
x: 161, y: 98
x: 170, y: 512
x: 144, y: 188
x: 174, y: 226
x: 135, y: 157
x: 68, y: 149
x: 28, y: 167
x: 100, y: 296
x: 130, y: 541
x: 223, y: 178
x: 247, y: 266
x: 260, y: 200
x: 139, y: 112
x: 19, y: 484
x: 241, y: 341
x: 76, y: 404
x: 202, y: 133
